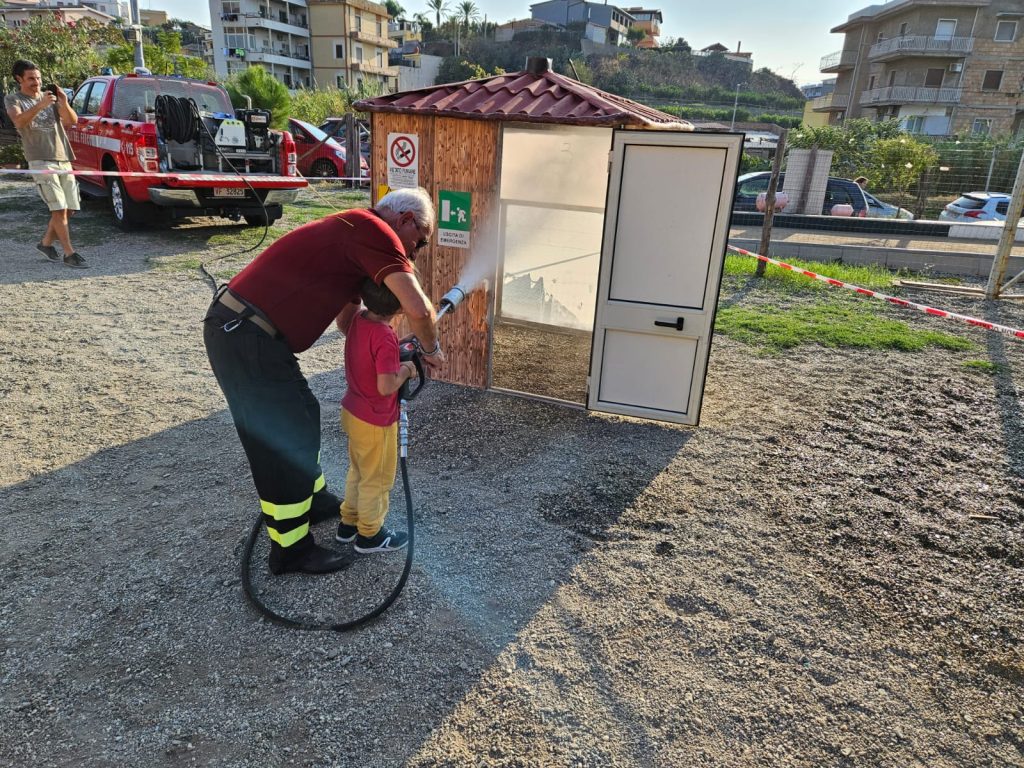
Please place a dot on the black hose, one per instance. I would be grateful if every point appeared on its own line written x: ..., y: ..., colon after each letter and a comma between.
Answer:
x: 177, y: 117
x: 343, y: 626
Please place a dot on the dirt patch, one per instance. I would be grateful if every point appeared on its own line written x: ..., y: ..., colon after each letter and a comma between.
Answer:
x: 540, y: 360
x: 826, y: 572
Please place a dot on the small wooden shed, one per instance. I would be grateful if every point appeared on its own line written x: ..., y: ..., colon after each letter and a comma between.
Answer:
x: 519, y: 167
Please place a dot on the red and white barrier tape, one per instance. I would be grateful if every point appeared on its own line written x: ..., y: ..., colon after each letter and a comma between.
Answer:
x: 181, y: 175
x: 1006, y: 330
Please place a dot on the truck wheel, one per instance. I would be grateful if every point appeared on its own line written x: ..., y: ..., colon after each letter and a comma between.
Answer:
x: 128, y: 214
x: 323, y: 168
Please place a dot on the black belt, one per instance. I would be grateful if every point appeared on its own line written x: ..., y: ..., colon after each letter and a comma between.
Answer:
x: 246, y: 312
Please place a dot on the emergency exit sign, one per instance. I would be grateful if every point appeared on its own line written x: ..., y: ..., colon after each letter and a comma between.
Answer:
x: 453, y: 210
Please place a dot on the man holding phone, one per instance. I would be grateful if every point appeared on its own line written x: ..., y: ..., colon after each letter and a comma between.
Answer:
x: 41, y: 117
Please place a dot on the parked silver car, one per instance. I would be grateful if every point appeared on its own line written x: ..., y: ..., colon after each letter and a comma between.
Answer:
x: 878, y: 209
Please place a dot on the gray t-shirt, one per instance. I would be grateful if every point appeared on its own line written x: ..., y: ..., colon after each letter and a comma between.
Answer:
x: 44, y: 138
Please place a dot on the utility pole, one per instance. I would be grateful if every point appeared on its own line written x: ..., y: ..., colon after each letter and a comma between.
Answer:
x: 735, y: 103
x: 136, y: 38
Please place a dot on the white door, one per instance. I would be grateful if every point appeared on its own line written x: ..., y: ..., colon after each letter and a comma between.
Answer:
x: 666, y: 225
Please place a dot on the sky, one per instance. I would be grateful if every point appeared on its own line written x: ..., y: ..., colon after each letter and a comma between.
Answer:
x: 787, y: 36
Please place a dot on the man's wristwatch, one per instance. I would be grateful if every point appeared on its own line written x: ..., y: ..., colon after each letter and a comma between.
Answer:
x: 434, y: 351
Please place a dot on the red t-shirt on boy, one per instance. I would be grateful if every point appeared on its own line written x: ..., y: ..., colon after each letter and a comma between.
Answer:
x: 371, y: 347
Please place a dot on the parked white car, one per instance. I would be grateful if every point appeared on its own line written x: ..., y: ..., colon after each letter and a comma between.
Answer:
x: 977, y: 206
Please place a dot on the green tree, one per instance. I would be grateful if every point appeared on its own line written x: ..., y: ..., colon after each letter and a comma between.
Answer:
x: 467, y: 12
x: 395, y: 10
x: 163, y: 58
x: 896, y: 163
x: 265, y: 90
x: 851, y: 143
x: 635, y: 35
x: 65, y: 52
x: 455, y: 69
x: 438, y: 7
x: 316, y: 105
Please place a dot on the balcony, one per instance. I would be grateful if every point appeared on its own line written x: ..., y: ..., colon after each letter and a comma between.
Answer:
x: 910, y: 94
x: 838, y: 61
x: 833, y: 102
x: 921, y: 45
x: 372, y: 69
x: 283, y: 56
x: 293, y: 26
x: 366, y: 37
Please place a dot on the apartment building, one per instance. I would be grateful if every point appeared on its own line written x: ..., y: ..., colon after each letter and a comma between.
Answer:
x: 16, y: 15
x: 149, y: 17
x: 105, y: 9
x: 271, y: 33
x: 350, y: 45
x: 938, y: 66
x: 650, y: 21
x: 602, y: 23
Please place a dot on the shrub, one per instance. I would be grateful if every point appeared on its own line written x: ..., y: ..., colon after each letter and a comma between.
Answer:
x: 265, y: 90
x: 12, y: 154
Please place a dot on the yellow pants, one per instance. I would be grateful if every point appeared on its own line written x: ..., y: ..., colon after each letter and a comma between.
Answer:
x: 372, y: 460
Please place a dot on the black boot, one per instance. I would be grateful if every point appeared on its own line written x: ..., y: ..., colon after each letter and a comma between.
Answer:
x: 326, y: 506
x: 306, y: 556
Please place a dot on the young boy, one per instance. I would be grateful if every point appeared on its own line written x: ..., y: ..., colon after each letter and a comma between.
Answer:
x: 369, y: 416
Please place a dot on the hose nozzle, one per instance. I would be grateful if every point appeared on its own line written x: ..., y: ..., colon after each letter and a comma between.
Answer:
x: 451, y: 300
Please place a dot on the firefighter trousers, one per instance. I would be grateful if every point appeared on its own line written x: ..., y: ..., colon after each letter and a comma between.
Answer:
x: 277, y: 418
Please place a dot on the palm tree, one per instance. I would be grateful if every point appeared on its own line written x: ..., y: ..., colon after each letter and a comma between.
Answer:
x: 438, y: 7
x: 395, y: 11
x: 468, y: 12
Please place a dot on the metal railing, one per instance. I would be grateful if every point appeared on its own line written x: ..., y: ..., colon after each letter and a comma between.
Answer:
x: 838, y: 60
x: 955, y: 46
x: 831, y: 102
x: 909, y: 94
x: 366, y: 37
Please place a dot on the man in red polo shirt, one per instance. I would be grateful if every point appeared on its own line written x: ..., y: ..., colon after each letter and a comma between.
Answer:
x: 279, y: 305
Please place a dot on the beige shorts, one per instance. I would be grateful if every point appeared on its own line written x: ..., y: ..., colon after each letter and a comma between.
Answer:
x: 59, y: 192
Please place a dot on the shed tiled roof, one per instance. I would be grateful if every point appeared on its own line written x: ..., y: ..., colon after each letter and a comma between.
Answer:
x: 527, y: 97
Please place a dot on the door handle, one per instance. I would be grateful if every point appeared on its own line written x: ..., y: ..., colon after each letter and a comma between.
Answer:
x: 678, y: 324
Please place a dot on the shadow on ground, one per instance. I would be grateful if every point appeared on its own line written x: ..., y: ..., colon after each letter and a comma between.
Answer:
x: 124, y: 578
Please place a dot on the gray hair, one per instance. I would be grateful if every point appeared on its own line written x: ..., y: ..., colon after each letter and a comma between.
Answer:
x: 412, y: 200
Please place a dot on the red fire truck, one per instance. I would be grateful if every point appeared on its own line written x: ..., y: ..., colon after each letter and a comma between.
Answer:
x: 183, y: 149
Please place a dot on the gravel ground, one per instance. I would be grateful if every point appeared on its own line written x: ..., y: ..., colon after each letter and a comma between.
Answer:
x: 827, y: 572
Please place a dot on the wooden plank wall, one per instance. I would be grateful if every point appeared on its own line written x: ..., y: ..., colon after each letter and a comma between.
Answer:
x: 463, y: 156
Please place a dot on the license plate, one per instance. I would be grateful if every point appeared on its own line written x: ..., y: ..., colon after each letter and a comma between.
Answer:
x: 229, y: 191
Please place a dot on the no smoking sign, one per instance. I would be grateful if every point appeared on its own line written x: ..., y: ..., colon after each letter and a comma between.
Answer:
x: 403, y: 160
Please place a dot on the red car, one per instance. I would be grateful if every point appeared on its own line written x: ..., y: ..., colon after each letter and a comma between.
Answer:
x: 319, y: 154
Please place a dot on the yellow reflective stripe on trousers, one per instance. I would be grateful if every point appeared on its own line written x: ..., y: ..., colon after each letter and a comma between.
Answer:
x: 320, y: 482
x: 289, y: 538
x: 286, y: 511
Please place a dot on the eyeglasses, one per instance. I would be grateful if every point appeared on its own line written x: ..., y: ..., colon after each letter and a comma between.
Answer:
x: 423, y: 242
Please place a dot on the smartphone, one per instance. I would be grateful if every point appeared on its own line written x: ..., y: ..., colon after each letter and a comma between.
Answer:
x: 52, y: 88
